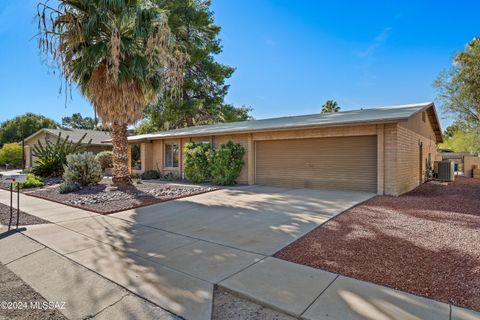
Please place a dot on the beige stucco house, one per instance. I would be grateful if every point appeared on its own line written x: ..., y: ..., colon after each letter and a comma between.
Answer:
x: 382, y: 150
x: 94, y: 136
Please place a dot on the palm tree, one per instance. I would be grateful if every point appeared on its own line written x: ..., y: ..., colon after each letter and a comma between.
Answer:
x: 119, y: 53
x: 330, y: 106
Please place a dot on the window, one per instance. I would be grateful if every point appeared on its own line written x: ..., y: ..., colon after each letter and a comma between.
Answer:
x: 171, y: 155
x: 423, y: 116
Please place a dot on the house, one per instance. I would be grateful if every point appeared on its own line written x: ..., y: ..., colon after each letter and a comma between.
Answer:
x: 382, y: 150
x: 96, y: 137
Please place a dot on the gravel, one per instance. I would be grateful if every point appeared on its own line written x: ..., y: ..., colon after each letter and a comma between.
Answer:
x: 102, y: 199
x: 229, y: 306
x: 13, y: 289
x: 25, y: 218
x: 426, y: 242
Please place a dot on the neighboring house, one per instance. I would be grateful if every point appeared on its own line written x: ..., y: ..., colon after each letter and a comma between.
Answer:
x: 381, y: 150
x: 74, y: 135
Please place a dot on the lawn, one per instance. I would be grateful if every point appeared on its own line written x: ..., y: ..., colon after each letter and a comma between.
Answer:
x: 426, y: 242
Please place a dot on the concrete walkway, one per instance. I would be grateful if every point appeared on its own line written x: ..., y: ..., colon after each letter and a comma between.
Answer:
x: 172, y: 254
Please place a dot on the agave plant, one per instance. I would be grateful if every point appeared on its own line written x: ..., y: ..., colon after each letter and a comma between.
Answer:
x: 52, y: 156
x: 121, y: 55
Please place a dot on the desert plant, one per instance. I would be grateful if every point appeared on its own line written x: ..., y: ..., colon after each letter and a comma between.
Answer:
x: 32, y: 182
x: 226, y: 163
x: 68, y: 186
x: 11, y: 154
x: 150, y: 174
x: 83, y: 169
x: 197, y: 167
x: 171, y: 176
x: 120, y: 54
x: 105, y: 159
x: 136, y: 178
x: 52, y: 156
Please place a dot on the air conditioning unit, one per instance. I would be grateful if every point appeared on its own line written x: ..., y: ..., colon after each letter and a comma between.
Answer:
x: 445, y: 170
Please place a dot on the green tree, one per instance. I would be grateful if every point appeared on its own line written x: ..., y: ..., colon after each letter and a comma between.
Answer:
x: 77, y: 121
x: 11, y: 154
x: 459, y: 87
x: 122, y: 56
x: 14, y: 130
x: 204, y: 89
x: 463, y: 140
x: 330, y: 106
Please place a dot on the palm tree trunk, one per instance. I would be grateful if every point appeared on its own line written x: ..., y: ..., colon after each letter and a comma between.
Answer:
x: 120, y: 172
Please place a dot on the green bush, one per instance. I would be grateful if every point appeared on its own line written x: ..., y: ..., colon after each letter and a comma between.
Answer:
x: 83, y: 169
x: 150, y: 174
x: 32, y: 182
x: 171, y: 176
x: 105, y: 158
x: 11, y: 154
x: 68, y: 186
x: 136, y: 178
x: 197, y: 167
x: 226, y: 163
x: 52, y: 157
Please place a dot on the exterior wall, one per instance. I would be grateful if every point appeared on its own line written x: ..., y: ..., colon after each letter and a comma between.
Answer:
x: 398, y: 150
x: 412, y: 136
x: 468, y: 163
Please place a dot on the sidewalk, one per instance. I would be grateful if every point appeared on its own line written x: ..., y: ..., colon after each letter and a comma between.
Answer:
x: 80, y: 292
x: 112, y: 262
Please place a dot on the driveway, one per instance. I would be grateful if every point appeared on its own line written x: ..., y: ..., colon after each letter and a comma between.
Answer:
x: 173, y: 253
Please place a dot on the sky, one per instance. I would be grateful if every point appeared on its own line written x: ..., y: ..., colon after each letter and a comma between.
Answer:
x: 290, y: 56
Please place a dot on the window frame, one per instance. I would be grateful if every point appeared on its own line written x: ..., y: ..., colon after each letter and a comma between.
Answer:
x: 166, y: 156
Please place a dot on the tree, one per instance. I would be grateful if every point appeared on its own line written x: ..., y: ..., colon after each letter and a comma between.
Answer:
x: 463, y: 140
x: 330, y: 106
x: 459, y: 87
x: 14, y: 130
x: 122, y: 56
x: 11, y: 154
x: 204, y: 89
x: 77, y: 121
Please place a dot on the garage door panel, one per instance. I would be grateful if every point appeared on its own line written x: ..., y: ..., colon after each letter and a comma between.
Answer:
x: 344, y: 163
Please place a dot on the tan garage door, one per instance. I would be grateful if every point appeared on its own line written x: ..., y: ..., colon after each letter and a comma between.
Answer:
x: 344, y: 163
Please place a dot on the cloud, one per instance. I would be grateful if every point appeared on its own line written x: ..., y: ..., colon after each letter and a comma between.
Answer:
x: 379, y: 40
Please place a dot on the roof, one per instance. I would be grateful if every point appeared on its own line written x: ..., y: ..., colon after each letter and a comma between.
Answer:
x: 97, y: 137
x: 371, y: 115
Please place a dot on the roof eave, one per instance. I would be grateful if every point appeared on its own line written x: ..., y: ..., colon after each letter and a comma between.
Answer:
x: 302, y: 127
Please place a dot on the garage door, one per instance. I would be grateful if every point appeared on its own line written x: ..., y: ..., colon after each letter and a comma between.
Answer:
x: 343, y: 163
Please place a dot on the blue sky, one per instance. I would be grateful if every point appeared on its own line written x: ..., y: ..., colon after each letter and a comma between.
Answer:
x: 290, y: 56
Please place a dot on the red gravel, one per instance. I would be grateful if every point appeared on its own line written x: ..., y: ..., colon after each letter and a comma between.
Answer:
x: 426, y: 242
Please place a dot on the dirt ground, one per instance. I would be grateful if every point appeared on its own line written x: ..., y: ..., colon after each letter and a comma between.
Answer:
x: 425, y: 242
x: 232, y: 307
x: 25, y: 218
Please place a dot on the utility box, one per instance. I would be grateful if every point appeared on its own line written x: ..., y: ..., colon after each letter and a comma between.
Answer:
x: 445, y: 170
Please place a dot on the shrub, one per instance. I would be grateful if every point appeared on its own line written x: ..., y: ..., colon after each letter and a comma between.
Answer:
x: 52, y: 157
x: 105, y: 158
x: 226, y: 163
x: 11, y: 154
x: 83, y: 169
x: 171, y: 176
x: 197, y: 167
x: 32, y: 182
x: 136, y: 178
x: 68, y: 186
x: 150, y: 174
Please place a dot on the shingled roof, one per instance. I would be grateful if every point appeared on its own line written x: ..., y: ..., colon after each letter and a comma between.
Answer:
x: 367, y: 115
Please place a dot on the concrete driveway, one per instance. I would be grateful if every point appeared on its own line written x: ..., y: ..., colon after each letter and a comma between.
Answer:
x: 173, y: 253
